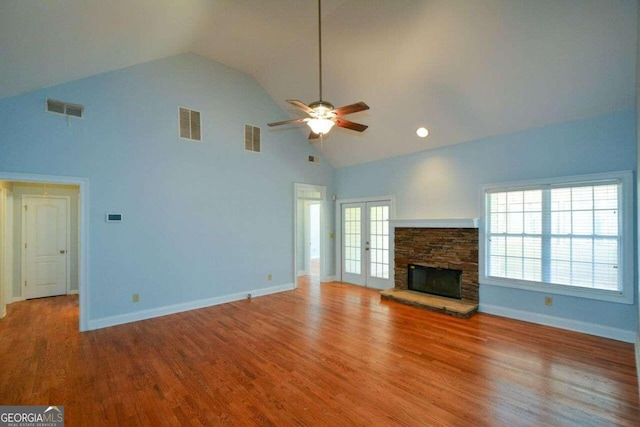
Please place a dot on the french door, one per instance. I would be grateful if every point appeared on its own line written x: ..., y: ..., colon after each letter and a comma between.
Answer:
x: 365, y: 244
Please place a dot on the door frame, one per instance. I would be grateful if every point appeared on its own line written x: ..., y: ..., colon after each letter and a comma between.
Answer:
x: 392, y: 213
x: 323, y: 224
x: 6, y: 252
x: 83, y: 232
x: 3, y: 253
x: 67, y: 200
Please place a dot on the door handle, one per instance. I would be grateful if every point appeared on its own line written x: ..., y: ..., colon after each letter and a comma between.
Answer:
x: 62, y: 251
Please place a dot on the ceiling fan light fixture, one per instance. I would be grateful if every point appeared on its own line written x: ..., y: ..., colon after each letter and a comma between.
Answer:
x: 320, y: 126
x: 322, y: 114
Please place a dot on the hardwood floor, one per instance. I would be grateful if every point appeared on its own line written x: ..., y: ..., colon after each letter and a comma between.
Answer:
x: 321, y: 355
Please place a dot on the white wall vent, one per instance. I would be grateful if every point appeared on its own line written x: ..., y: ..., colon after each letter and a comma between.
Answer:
x: 65, y: 108
x: 190, y: 126
x: 314, y: 159
x: 252, y: 138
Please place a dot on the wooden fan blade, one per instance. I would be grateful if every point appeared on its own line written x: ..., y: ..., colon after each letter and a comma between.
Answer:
x: 350, y: 109
x: 286, y: 122
x: 313, y: 135
x: 301, y: 105
x: 350, y: 125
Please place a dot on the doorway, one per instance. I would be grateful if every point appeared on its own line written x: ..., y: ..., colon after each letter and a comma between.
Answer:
x: 309, y: 233
x: 365, y: 248
x: 46, y: 213
x: 314, y: 240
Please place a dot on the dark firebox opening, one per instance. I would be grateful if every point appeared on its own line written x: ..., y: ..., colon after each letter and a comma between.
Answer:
x: 436, y: 281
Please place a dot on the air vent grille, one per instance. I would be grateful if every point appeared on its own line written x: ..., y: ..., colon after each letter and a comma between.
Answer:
x: 65, y: 108
x: 252, y: 138
x: 314, y: 159
x: 190, y: 126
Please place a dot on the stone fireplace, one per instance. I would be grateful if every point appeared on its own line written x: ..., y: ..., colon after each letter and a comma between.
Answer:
x: 436, y: 244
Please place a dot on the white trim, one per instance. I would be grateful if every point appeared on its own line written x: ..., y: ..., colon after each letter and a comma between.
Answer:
x: 561, y: 322
x: 627, y: 265
x: 302, y: 273
x: 3, y: 254
x: 435, y: 223
x: 17, y: 299
x: 331, y: 278
x: 368, y: 199
x: 8, y: 249
x: 120, y: 319
x: 83, y: 232
x: 637, y: 348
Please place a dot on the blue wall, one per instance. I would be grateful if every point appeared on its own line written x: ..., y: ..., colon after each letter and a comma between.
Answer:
x: 445, y: 183
x: 206, y: 220
x: 201, y: 220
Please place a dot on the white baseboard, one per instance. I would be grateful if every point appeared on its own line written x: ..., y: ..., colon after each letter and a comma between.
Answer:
x: 177, y: 308
x: 562, y: 323
x: 73, y: 292
x: 17, y: 299
x: 302, y: 273
x: 638, y: 360
x: 330, y: 279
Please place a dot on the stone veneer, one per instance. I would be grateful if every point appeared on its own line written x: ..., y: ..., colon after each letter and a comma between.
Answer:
x: 454, y: 248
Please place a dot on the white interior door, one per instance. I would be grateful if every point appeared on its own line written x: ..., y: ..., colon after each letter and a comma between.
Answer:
x: 45, y: 231
x: 365, y: 244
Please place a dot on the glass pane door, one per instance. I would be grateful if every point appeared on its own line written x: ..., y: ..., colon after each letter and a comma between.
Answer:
x: 365, y: 244
x: 352, y: 243
x: 378, y: 259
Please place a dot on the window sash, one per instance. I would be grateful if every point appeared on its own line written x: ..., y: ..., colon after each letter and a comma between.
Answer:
x: 526, y: 230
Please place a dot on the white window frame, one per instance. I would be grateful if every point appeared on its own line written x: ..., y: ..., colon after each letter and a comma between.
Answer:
x: 626, y: 230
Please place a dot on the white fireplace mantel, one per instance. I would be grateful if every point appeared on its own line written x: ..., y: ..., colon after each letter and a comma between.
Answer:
x: 435, y: 223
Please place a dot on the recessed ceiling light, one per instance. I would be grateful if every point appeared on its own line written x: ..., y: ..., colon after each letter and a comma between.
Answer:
x: 422, y: 132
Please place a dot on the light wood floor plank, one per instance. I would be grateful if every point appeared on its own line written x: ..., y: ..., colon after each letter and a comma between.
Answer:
x: 330, y: 354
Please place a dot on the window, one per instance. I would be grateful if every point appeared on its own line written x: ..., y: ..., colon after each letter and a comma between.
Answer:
x: 569, y: 236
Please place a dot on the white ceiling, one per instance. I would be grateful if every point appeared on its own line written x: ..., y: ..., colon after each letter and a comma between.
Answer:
x: 466, y: 69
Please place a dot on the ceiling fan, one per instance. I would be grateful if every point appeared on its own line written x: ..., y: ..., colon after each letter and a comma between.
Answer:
x: 322, y: 114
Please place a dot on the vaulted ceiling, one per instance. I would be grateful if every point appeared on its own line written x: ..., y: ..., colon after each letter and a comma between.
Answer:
x: 465, y: 69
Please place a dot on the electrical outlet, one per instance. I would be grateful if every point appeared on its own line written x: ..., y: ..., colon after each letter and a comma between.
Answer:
x: 269, y: 277
x: 548, y: 301
x: 135, y: 298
